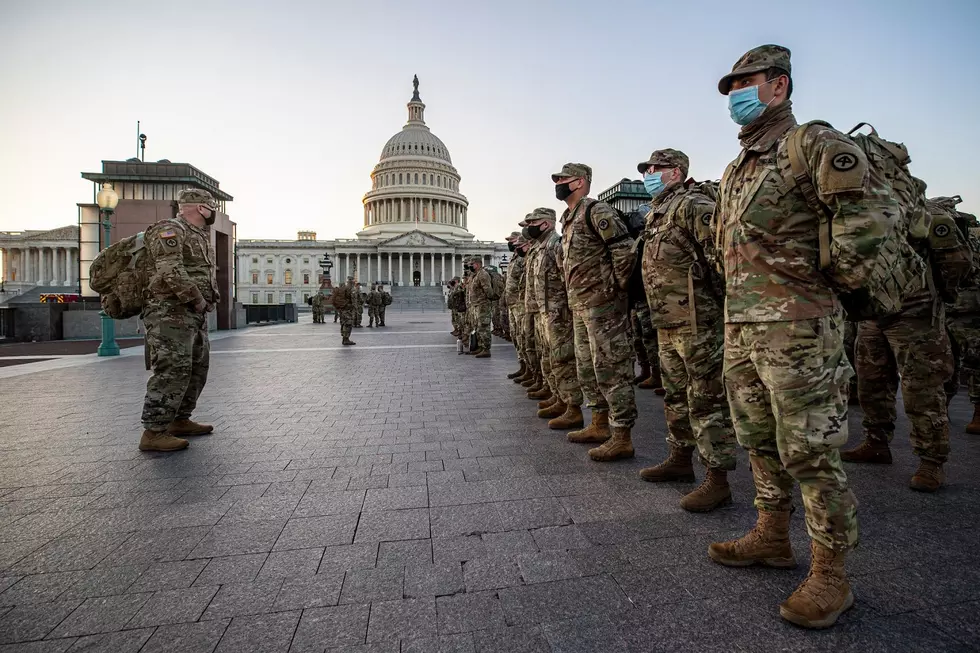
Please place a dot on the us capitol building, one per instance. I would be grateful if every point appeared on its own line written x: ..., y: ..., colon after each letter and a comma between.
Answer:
x: 414, y: 230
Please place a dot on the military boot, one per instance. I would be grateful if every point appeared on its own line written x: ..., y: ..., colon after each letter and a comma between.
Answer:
x: 556, y: 409
x: 161, y: 441
x: 346, y: 342
x: 929, y: 477
x: 618, y: 447
x: 547, y: 403
x: 677, y: 467
x: 714, y: 492
x: 654, y: 382
x: 520, y: 372
x: 543, y: 393
x: 643, y: 375
x: 533, y: 383
x: 767, y: 544
x: 483, y: 353
x: 973, y: 428
x: 596, y: 431
x: 872, y: 450
x: 571, y: 419
x: 824, y: 595
x: 185, y: 427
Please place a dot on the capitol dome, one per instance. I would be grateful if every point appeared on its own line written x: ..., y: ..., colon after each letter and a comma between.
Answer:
x: 414, y: 186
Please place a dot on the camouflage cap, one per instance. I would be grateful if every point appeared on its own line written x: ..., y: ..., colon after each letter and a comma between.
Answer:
x: 514, y: 235
x: 754, y: 61
x: 523, y: 223
x: 573, y: 170
x: 542, y: 213
x: 668, y: 157
x: 197, y: 196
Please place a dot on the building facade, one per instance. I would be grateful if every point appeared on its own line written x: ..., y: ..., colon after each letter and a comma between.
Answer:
x: 626, y: 195
x: 415, y: 228
x: 39, y: 258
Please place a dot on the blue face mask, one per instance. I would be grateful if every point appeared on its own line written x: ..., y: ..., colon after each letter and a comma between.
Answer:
x: 744, y: 105
x: 654, y: 183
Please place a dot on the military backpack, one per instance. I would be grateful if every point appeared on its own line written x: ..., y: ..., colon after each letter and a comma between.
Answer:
x: 497, y: 283
x: 339, y: 298
x: 386, y: 299
x: 119, y: 275
x: 947, y: 247
x: 877, y: 290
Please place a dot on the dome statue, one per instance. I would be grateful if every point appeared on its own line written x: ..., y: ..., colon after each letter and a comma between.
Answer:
x: 415, y: 185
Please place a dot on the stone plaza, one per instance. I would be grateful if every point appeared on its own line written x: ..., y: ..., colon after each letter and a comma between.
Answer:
x: 395, y: 497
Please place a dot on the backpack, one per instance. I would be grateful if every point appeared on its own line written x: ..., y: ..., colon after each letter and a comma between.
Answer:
x: 118, y: 274
x: 869, y: 292
x: 947, y: 247
x: 339, y: 298
x: 386, y: 299
x: 457, y: 299
x: 635, y: 223
x: 497, y: 283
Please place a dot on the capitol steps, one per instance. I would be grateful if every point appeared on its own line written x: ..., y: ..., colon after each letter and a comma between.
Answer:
x: 422, y: 298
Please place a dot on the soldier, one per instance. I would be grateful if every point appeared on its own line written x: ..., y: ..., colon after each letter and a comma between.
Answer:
x: 345, y: 303
x: 480, y: 305
x: 317, y: 304
x: 684, y: 295
x: 599, y: 260
x: 181, y: 290
x: 546, y: 387
x: 374, y: 304
x: 963, y: 322
x: 555, y: 317
x: 515, y: 277
x: 359, y: 301
x: 385, y: 303
x: 456, y: 298
x: 646, y: 348
x: 785, y: 368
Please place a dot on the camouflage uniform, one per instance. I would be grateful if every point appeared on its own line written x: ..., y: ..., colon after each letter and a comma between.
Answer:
x: 554, y: 315
x: 316, y: 303
x: 515, y: 307
x: 598, y: 263
x: 455, y: 294
x: 684, y: 298
x: 534, y: 318
x: 348, y: 313
x: 644, y: 337
x: 358, y: 306
x: 180, y: 265
x: 383, y: 306
x: 374, y: 304
x: 785, y: 367
x: 963, y: 324
x: 480, y: 307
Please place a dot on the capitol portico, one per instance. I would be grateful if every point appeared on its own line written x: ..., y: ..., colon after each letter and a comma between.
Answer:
x: 415, y: 228
x: 40, y: 258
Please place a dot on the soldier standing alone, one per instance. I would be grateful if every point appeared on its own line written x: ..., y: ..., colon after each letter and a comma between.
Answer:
x: 374, y: 306
x: 345, y: 303
x: 480, y: 306
x: 180, y: 292
x: 385, y: 303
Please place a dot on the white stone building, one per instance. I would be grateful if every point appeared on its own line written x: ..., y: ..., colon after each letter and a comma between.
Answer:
x: 414, y: 228
x: 46, y: 258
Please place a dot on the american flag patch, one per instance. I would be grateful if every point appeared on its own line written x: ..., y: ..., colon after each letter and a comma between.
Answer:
x: 169, y: 233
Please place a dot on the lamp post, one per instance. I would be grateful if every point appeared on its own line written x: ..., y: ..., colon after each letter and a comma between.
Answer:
x: 326, y: 264
x: 107, y: 201
x: 503, y: 265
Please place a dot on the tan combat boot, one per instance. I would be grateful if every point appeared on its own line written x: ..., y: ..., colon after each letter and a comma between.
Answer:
x: 677, y: 467
x: 643, y: 375
x: 872, y: 450
x: 767, y: 544
x: 824, y: 595
x: 543, y: 393
x: 714, y: 492
x: 618, y: 447
x: 596, y: 431
x: 523, y: 377
x: 547, y: 403
x: 571, y: 419
x: 533, y: 384
x: 556, y: 409
x: 161, y: 441
x: 654, y: 382
x: 185, y: 427
x: 973, y: 428
x: 929, y: 477
x: 483, y: 353
x: 520, y: 372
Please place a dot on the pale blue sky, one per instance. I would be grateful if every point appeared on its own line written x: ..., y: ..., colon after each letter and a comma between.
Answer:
x: 289, y: 103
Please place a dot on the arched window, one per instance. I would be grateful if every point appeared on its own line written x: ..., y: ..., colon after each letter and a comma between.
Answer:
x: 416, y: 177
x: 432, y: 180
x: 399, y: 178
x: 289, y: 276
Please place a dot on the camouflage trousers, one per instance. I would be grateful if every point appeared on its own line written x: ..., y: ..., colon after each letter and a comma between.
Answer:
x: 917, y: 351
x: 850, y: 338
x: 504, y: 316
x: 317, y: 315
x: 604, y: 359
x: 358, y: 315
x: 381, y: 313
x: 964, y: 335
x: 537, y: 321
x: 480, y: 321
x: 786, y: 385
x: 180, y: 356
x: 347, y: 316
x: 373, y: 315
x: 560, y: 346
x: 644, y: 336
x: 695, y: 406
x: 517, y: 332
x: 457, y: 318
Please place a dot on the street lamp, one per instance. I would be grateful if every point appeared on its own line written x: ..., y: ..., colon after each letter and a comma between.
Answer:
x: 503, y: 264
x: 327, y: 265
x: 107, y: 201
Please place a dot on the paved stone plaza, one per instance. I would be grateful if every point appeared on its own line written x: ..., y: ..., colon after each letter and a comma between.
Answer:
x: 395, y: 497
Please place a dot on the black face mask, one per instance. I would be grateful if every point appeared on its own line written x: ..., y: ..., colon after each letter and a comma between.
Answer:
x: 511, y: 247
x: 532, y: 232
x: 563, y: 192
x: 519, y: 252
x: 211, y: 218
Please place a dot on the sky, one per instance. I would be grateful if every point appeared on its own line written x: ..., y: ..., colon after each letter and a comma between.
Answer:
x: 288, y: 104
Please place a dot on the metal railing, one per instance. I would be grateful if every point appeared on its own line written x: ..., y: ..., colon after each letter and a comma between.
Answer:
x: 258, y: 313
x: 7, y: 322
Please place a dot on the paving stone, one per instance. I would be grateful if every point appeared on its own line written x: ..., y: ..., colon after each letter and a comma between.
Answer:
x: 70, y: 553
x: 239, y: 538
x: 173, y: 607
x: 403, y: 619
x: 399, y: 498
x: 560, y: 600
x: 264, y: 508
x: 404, y: 553
x: 312, y: 592
x: 443, y: 644
x: 368, y: 585
x: 595, y: 633
x: 155, y: 546
x: 309, y: 532
x: 475, y: 519
x: 491, y: 573
x: 509, y: 544
x: 462, y: 548
x: 547, y: 566
x: 462, y: 613
x: 39, y: 588
x: 125, y: 641
x: 389, y: 525
x: 297, y: 563
x: 512, y: 640
x: 104, y: 581
x: 34, y: 620
x: 231, y: 569
x: 168, y: 575
x: 103, y: 614
x: 349, y: 556
x: 200, y: 637
x: 560, y: 538
x: 334, y: 626
x: 240, y: 599
x: 391, y: 646
x: 330, y: 503
x: 433, y: 580
x: 263, y: 633
x: 50, y: 646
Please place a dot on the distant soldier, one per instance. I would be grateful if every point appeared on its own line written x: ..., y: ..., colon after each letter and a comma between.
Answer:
x: 456, y: 301
x: 374, y: 307
x: 963, y: 322
x: 359, y: 301
x: 181, y: 290
x: 599, y: 260
x: 545, y: 388
x: 316, y: 302
x: 385, y: 303
x: 345, y: 303
x: 515, y: 278
x: 481, y: 306
x: 646, y: 348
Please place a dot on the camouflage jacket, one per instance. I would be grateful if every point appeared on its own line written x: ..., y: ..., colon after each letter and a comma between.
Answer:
x: 515, y: 279
x: 352, y: 292
x: 317, y: 300
x: 358, y: 296
x: 968, y: 298
x: 479, y: 290
x: 374, y: 298
x: 549, y: 275
x: 597, y: 263
x: 530, y: 279
x: 180, y: 263
x: 682, y: 288
x: 768, y: 234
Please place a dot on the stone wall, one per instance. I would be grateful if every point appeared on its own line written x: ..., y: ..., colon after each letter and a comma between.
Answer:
x: 87, y: 325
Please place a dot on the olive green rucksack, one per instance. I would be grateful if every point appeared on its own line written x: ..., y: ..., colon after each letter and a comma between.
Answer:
x: 118, y: 274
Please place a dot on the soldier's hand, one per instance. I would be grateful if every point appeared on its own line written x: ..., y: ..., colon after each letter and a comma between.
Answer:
x: 200, y: 306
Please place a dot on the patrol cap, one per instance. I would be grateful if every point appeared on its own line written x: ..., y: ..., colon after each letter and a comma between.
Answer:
x: 514, y: 235
x: 197, y: 196
x: 523, y: 223
x: 754, y: 61
x: 350, y: 278
x: 668, y: 157
x: 573, y: 170
x: 542, y: 213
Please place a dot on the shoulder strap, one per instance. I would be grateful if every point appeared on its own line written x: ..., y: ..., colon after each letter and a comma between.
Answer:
x: 588, y: 219
x: 802, y: 179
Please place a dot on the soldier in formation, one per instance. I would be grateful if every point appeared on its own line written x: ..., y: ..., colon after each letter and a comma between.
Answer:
x: 316, y: 303
x: 385, y: 303
x: 963, y: 317
x: 359, y: 300
x: 479, y: 304
x: 374, y: 307
x: 646, y: 348
x: 515, y: 280
x: 345, y: 303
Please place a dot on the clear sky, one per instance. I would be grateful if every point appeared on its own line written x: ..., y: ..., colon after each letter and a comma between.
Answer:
x: 289, y: 103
